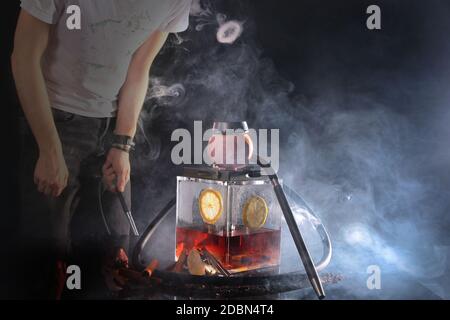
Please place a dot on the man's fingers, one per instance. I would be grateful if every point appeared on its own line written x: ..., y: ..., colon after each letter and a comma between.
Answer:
x: 110, y: 182
x: 122, y: 181
x: 108, y: 178
x: 108, y: 171
x: 58, y: 190
x: 107, y: 164
x: 121, y: 185
x: 48, y: 190
x: 41, y: 185
x: 51, y: 189
x: 106, y: 167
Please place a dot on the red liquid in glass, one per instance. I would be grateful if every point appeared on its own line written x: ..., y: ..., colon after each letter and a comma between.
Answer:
x: 242, y: 250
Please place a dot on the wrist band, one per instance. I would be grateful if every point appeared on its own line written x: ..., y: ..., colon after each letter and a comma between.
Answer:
x: 123, y: 140
x: 125, y: 148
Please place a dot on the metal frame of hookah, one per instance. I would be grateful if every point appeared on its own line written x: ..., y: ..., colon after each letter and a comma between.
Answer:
x: 310, y: 268
x: 302, y: 249
x: 163, y: 213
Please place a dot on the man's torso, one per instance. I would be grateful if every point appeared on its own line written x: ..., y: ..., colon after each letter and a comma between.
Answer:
x: 84, y: 69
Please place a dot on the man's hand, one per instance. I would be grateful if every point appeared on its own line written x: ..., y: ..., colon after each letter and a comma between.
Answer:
x: 51, y: 174
x: 116, y: 170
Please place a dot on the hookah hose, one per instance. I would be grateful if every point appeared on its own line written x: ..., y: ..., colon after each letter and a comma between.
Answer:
x: 125, y: 208
x: 317, y: 224
x: 143, y: 240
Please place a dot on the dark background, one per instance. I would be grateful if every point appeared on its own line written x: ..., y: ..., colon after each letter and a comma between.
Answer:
x: 363, y: 116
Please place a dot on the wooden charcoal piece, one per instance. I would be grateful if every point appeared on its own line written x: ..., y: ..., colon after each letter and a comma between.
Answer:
x: 195, y: 264
x: 130, y: 274
x: 178, y: 267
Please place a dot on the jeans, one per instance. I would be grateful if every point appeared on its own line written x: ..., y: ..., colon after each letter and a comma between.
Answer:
x: 46, y: 222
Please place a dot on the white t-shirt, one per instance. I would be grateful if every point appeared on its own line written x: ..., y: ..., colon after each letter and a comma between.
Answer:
x: 85, y: 69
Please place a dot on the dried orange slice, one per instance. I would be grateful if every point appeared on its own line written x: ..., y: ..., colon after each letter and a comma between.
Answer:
x: 255, y: 212
x: 210, y: 204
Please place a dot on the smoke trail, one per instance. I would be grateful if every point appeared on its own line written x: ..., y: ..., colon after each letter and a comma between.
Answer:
x: 165, y: 95
x: 203, y: 15
x: 201, y: 8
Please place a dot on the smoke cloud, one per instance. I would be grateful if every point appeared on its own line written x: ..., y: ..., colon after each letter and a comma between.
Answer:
x: 363, y: 124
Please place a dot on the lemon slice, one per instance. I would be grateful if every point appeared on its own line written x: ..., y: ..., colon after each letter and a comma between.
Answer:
x: 210, y: 204
x: 255, y: 212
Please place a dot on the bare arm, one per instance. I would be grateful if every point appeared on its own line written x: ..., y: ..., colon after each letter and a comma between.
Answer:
x: 30, y: 42
x: 131, y: 99
x: 132, y: 94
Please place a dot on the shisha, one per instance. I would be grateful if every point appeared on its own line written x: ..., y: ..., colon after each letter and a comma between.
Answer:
x: 231, y: 215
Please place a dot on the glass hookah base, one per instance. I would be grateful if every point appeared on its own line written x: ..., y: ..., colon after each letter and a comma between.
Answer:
x: 240, y: 251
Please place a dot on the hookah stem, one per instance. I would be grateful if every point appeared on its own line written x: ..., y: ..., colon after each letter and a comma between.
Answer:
x: 128, y: 213
x: 310, y: 268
